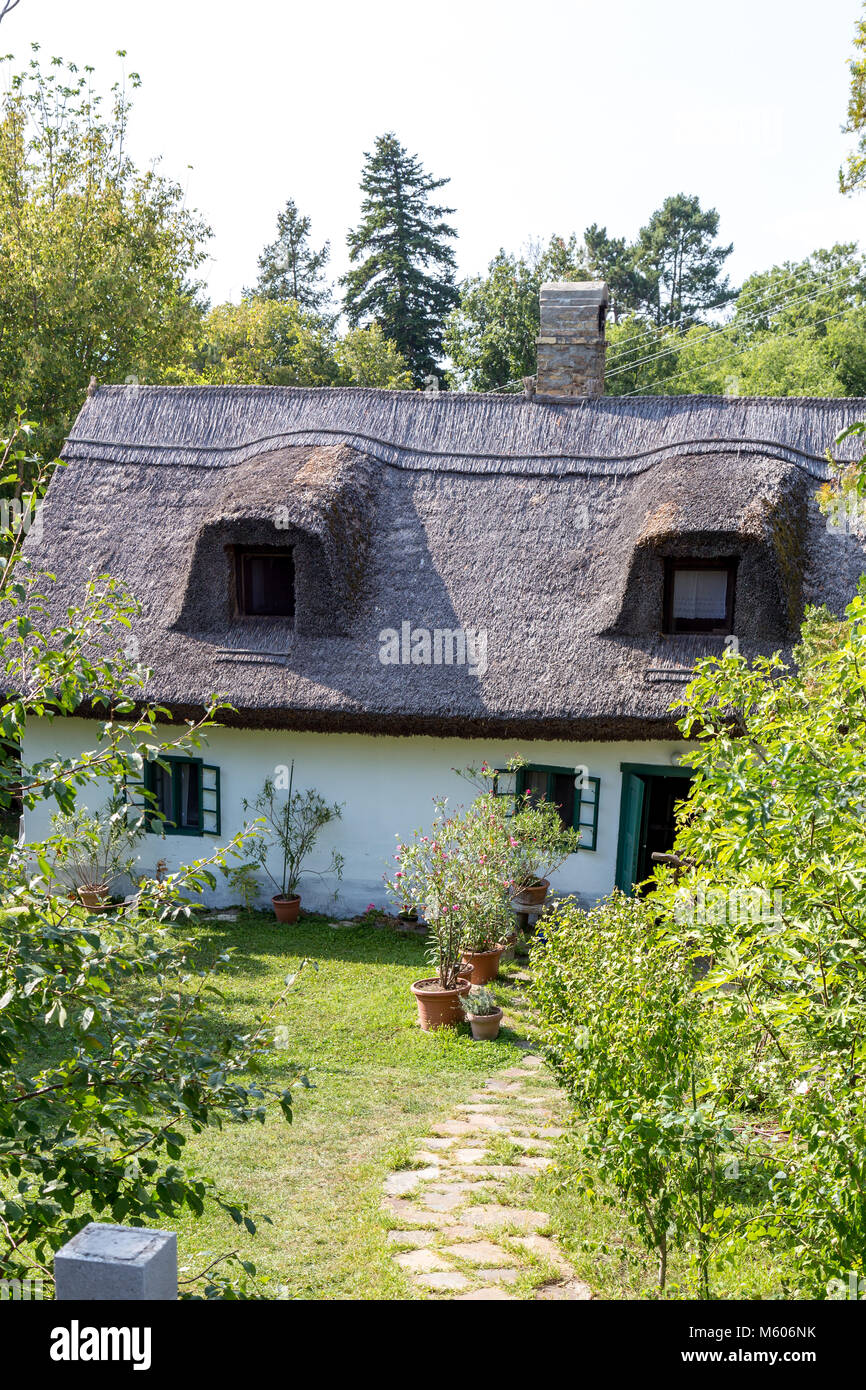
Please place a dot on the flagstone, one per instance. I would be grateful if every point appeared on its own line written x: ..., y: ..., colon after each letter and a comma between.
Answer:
x: 498, y: 1276
x: 420, y: 1261
x: 491, y: 1214
x: 480, y: 1252
x: 571, y: 1290
x: 407, y: 1179
x: 410, y: 1237
x: 446, y: 1279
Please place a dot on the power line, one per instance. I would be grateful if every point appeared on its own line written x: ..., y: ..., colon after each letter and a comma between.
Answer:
x: 775, y: 308
x: 771, y: 307
x: 738, y: 352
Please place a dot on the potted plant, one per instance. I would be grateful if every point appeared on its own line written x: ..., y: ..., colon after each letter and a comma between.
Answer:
x: 459, y: 878
x: 294, y: 823
x: 92, y: 851
x: 483, y: 1014
x: 541, y: 844
x: 432, y: 876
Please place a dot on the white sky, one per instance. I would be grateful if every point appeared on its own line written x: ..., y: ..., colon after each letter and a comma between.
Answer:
x: 547, y: 115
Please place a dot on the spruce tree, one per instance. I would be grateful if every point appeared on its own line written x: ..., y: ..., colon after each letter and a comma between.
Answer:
x: 403, y: 267
x: 289, y: 268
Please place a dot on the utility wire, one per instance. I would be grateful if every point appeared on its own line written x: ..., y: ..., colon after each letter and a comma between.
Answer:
x: 681, y: 327
x: 775, y: 308
x: 792, y: 333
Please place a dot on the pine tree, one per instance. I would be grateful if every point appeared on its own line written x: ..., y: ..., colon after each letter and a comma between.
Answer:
x: 289, y: 268
x: 403, y: 266
x: 681, y: 266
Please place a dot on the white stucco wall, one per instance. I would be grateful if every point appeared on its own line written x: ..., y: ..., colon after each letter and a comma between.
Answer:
x: 387, y: 785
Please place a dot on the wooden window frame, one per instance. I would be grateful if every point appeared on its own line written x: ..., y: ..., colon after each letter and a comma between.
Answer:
x: 681, y: 627
x: 582, y: 803
x: 156, y: 825
x: 261, y: 552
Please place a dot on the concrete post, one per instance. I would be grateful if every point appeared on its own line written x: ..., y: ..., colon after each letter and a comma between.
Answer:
x: 107, y: 1262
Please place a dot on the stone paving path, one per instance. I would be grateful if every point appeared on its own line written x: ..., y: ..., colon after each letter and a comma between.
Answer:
x: 462, y: 1223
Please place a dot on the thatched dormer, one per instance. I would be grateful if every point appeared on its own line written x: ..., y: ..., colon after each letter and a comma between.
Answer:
x: 546, y: 525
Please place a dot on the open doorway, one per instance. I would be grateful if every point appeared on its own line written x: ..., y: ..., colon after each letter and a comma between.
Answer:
x: 647, y: 819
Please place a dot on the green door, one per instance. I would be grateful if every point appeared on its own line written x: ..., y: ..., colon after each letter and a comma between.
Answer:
x: 630, y: 826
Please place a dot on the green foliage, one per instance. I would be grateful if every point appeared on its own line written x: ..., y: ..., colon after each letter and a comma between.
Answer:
x: 491, y: 335
x: 289, y: 268
x: 365, y: 357
x: 294, y: 823
x: 459, y: 877
x: 94, y: 851
x: 96, y: 256
x: 271, y: 342
x: 852, y: 176
x: 620, y: 1022
x: 543, y: 843
x: 264, y: 342
x: 402, y: 274
x: 480, y: 1003
x: 107, y: 1062
x: 680, y: 265
x: 776, y: 818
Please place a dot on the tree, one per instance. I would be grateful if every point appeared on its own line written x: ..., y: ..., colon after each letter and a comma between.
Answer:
x: 7, y: 6
x: 365, y: 357
x: 107, y: 1057
x: 681, y: 267
x: 852, y: 176
x: 262, y: 341
x: 403, y: 265
x: 289, y: 268
x: 491, y: 335
x: 274, y: 343
x: 612, y: 259
x: 96, y: 257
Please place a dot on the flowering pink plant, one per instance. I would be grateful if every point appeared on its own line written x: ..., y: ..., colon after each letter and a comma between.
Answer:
x: 459, y: 878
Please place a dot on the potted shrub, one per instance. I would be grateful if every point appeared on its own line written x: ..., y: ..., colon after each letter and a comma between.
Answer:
x: 92, y: 851
x: 483, y: 1014
x: 459, y: 878
x: 541, y: 844
x: 294, y: 822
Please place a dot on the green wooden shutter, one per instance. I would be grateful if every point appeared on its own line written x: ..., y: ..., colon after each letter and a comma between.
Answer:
x: 630, y: 827
x: 586, y: 811
x: 210, y: 800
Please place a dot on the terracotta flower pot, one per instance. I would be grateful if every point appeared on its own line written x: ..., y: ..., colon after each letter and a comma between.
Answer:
x: 437, y: 1007
x: 93, y: 897
x: 485, y: 1027
x: 532, y: 897
x: 286, y: 909
x: 484, y: 965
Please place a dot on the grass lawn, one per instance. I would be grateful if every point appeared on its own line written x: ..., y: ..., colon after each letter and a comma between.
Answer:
x: 378, y: 1082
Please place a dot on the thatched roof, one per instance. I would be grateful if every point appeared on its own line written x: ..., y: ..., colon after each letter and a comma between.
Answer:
x: 543, y: 524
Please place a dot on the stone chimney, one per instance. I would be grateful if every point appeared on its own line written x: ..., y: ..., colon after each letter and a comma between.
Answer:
x: 571, y: 342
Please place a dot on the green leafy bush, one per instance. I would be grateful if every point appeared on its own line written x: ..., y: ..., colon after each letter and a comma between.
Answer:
x: 621, y: 1024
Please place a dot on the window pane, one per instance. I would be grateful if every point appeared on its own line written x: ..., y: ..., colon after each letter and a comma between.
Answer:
x: 162, y: 791
x: 563, y: 796
x: 701, y: 594
x: 189, y: 810
x: 268, y: 585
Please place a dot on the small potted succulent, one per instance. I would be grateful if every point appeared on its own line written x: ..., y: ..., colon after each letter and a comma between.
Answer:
x: 294, y: 823
x: 483, y: 1014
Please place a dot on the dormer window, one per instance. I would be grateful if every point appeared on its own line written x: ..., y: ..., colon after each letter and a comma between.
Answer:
x: 699, y: 596
x: 265, y: 582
